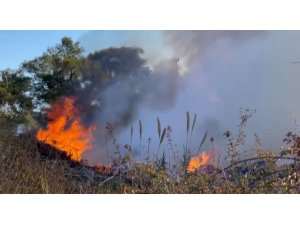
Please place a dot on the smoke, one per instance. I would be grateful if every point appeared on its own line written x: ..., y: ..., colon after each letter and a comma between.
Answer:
x: 163, y: 86
x: 229, y: 70
x: 190, y: 46
x: 210, y: 73
x: 131, y: 83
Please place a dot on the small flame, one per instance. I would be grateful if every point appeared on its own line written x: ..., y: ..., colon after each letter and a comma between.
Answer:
x: 104, y: 170
x: 198, y: 161
x: 64, y: 130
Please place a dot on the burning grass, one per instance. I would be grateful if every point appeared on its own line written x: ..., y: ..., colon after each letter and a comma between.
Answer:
x: 30, y: 166
x: 197, y: 161
x: 65, y: 131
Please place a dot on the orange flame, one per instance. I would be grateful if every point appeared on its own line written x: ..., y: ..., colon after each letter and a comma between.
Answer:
x: 198, y: 161
x: 64, y: 130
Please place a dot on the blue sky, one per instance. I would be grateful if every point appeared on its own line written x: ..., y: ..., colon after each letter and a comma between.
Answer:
x: 151, y: 41
x: 17, y: 46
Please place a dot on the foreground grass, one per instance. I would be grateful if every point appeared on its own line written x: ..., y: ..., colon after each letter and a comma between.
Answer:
x: 23, y: 170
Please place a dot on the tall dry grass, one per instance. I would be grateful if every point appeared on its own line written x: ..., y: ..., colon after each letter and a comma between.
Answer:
x: 23, y: 170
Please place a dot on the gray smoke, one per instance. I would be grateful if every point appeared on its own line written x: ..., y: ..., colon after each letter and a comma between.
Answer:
x: 190, y: 46
x: 213, y: 74
x: 249, y: 69
x: 118, y: 100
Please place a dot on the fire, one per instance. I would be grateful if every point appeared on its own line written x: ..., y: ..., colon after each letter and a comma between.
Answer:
x: 104, y: 170
x: 198, y: 161
x: 64, y: 130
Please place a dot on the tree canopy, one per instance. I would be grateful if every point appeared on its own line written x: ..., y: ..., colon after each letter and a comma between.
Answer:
x: 15, y: 98
x: 54, y: 72
x: 62, y: 70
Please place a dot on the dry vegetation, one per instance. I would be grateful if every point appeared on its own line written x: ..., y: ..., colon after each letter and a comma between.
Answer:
x: 24, y: 170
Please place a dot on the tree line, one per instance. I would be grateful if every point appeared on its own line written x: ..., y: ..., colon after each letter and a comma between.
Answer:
x: 63, y: 70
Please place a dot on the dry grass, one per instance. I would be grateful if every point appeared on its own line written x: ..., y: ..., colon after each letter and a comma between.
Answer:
x: 23, y: 170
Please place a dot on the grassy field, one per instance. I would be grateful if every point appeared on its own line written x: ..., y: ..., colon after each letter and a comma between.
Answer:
x: 24, y: 170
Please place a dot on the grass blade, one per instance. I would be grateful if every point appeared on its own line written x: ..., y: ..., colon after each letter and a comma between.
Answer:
x: 158, y: 128
x: 187, y: 121
x: 141, y: 132
x: 131, y: 134
x: 162, y: 136
x: 141, y: 129
x: 202, y: 142
x: 194, y: 122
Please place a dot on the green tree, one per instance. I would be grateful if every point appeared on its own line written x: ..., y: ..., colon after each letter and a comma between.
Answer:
x: 55, y: 71
x: 15, y: 98
x: 120, y: 62
x: 115, y: 72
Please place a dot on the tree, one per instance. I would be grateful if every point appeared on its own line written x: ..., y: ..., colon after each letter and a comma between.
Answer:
x: 123, y: 66
x: 15, y: 99
x: 55, y: 71
x: 110, y: 76
x: 120, y: 61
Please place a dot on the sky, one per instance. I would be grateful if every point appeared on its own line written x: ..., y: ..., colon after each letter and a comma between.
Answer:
x: 222, y: 72
x: 17, y: 46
